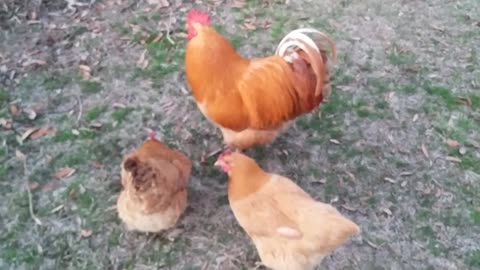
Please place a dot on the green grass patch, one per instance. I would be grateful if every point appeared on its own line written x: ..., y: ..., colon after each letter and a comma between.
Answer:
x: 408, y: 89
x: 473, y: 259
x: 4, y: 96
x: 398, y: 57
x: 442, y: 93
x: 56, y: 81
x: 90, y: 87
x: 95, y: 112
x: 64, y: 135
x: 476, y: 216
x: 121, y: 114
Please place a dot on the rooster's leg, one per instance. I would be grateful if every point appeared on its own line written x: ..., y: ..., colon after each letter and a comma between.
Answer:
x: 225, y: 148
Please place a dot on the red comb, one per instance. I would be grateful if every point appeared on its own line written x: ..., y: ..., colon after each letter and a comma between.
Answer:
x: 151, y: 134
x: 199, y: 16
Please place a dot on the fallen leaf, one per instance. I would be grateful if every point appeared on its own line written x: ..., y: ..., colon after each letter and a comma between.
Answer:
x: 86, y: 233
x: 31, y: 114
x: 372, y: 244
x: 320, y: 181
x: 32, y: 62
x: 453, y: 159
x: 249, y: 24
x: 349, y: 208
x: 20, y: 156
x: 390, y: 180
x: 415, y: 117
x: 43, y: 131
x: 464, y: 101
x: 119, y: 105
x: 452, y: 143
x: 406, y: 173
x: 174, y: 234
x: 97, y: 165
x: 85, y: 72
x: 33, y: 185
x: 14, y: 110
x: 425, y: 151
x: 238, y: 4
x: 95, y: 125
x: 27, y: 134
x: 142, y: 62
x: 387, y: 211
x: 64, y: 172
x: 58, y: 208
x: 7, y: 124
x: 334, y: 141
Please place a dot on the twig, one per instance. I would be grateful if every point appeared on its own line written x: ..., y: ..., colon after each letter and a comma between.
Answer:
x: 29, y: 193
x: 80, y: 109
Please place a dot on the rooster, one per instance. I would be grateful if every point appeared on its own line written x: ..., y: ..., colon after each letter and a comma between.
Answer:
x: 154, y: 181
x: 252, y: 100
x: 290, y: 229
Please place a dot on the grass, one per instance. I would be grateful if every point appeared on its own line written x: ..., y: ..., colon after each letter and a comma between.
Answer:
x: 95, y: 113
x: 90, y: 87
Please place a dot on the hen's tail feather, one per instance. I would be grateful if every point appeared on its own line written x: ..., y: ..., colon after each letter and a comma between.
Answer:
x: 315, y: 51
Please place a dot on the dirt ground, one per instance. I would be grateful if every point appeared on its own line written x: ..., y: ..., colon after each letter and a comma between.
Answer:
x: 396, y: 148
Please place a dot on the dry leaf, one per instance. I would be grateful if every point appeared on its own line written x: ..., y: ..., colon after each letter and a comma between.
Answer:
x: 14, y: 110
x: 238, y: 4
x: 452, y: 143
x: 27, y: 134
x: 64, y: 172
x: 85, y: 72
x: 390, y: 180
x: 321, y: 181
x: 174, y: 234
x: 372, y: 244
x: 56, y: 209
x: 415, y: 118
x: 425, y: 151
x: 249, y: 24
x: 349, y: 208
x: 33, y: 185
x: 334, y: 141
x: 86, y: 233
x: 31, y: 114
x: 42, y: 132
x: 119, y: 105
x: 142, y: 62
x: 97, y: 165
x: 406, y: 173
x: 7, y: 124
x: 20, y: 156
x: 464, y: 101
x: 95, y: 125
x: 387, y: 211
x: 453, y: 159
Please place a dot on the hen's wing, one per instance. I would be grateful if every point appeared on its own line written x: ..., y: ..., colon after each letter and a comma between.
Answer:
x: 154, y: 182
x: 260, y: 216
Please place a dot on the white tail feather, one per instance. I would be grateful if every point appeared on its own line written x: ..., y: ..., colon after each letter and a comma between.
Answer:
x: 297, y: 38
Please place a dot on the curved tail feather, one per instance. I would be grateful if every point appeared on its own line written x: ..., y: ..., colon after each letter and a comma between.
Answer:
x: 315, y: 51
